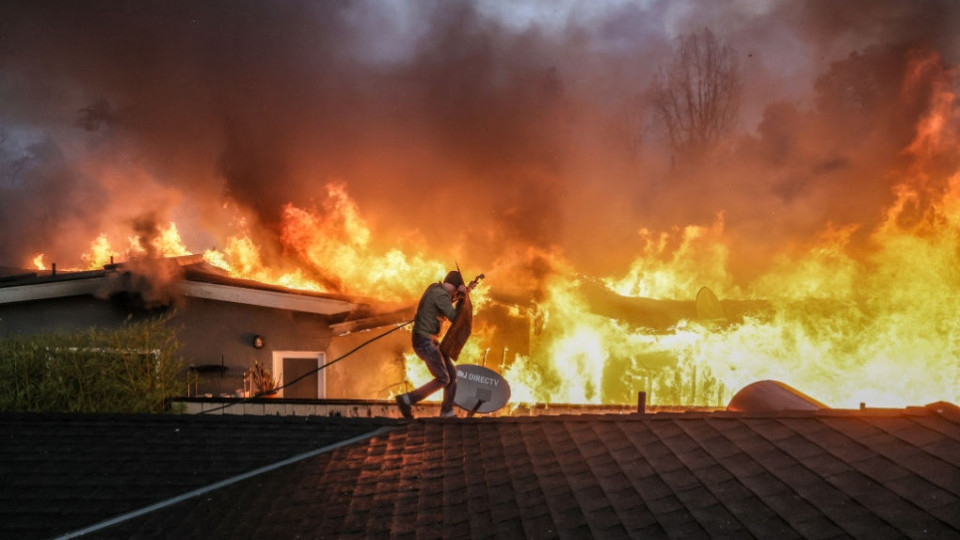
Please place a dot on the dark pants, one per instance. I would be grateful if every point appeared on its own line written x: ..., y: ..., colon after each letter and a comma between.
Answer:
x: 443, y: 371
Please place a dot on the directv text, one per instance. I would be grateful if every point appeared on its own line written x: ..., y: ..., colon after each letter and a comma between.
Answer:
x: 489, y: 381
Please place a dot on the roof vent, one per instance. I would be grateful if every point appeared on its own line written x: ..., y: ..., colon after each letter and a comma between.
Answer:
x: 772, y: 396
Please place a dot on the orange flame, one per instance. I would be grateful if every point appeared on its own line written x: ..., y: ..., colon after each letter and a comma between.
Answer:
x: 100, y: 253
x: 844, y: 329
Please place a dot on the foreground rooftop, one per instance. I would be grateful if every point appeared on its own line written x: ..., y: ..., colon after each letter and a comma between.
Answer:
x: 819, y: 474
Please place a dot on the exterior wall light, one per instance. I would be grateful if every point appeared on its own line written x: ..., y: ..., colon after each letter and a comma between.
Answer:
x: 258, y: 341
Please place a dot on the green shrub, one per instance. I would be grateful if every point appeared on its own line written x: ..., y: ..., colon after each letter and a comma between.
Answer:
x: 135, y: 368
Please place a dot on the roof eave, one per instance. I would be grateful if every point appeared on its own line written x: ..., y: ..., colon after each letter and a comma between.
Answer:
x: 291, y: 301
x: 49, y: 290
x: 270, y: 299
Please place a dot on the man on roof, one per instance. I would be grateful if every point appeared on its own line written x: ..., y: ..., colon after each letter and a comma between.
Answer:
x: 435, y: 305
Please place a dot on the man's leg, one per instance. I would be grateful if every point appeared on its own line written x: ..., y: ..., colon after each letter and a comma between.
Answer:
x: 436, y: 363
x: 450, y: 389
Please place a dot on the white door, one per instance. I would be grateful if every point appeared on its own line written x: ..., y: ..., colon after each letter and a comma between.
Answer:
x: 297, y: 372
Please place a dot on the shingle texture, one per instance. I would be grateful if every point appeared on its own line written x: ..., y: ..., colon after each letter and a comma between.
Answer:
x: 63, y: 472
x: 830, y: 474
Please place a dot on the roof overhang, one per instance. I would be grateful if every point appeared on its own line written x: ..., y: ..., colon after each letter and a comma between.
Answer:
x: 105, y: 284
x: 376, y: 320
x: 264, y: 298
x: 53, y: 289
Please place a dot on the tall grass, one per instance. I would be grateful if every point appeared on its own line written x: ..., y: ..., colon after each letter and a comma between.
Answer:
x: 135, y: 368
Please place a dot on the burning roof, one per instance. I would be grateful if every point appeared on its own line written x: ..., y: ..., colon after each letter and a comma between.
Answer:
x: 159, y: 282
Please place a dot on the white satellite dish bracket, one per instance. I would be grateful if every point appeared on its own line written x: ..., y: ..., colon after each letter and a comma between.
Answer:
x: 480, y: 389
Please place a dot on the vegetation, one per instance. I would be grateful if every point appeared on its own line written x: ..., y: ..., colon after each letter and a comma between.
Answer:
x: 261, y: 378
x: 135, y: 368
x: 697, y: 95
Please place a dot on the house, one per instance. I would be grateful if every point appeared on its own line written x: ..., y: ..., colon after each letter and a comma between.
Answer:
x: 825, y: 473
x: 224, y: 324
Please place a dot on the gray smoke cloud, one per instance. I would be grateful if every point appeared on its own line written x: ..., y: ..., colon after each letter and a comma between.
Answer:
x: 486, y: 125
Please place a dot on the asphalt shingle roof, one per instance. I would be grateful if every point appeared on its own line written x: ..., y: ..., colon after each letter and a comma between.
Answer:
x: 826, y: 474
x: 63, y: 472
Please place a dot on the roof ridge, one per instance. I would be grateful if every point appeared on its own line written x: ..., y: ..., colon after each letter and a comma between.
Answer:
x: 946, y: 410
x: 943, y: 409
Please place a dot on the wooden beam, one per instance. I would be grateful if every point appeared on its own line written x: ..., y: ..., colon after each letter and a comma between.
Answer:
x: 375, y: 321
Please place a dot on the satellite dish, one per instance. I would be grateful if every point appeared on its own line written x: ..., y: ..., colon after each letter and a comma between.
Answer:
x: 480, y: 389
x: 708, y: 306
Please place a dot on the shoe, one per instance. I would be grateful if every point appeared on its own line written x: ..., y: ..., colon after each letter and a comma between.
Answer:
x: 405, y: 409
x: 448, y: 414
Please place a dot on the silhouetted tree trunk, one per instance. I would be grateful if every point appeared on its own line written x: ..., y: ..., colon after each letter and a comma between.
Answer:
x: 697, y: 95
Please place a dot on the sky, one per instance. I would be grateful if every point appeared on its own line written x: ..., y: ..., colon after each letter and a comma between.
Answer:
x: 463, y: 130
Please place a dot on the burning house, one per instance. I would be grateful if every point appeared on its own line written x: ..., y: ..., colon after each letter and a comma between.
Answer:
x: 225, y: 326
x: 228, y: 327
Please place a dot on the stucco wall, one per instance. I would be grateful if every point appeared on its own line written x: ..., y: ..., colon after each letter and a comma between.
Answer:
x: 213, y: 332
x: 372, y: 372
x: 210, y: 332
x: 62, y: 314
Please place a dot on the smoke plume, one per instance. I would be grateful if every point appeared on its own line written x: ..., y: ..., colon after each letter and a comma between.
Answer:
x: 479, y: 131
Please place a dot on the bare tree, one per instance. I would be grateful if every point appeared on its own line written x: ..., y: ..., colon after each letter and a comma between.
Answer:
x: 697, y: 95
